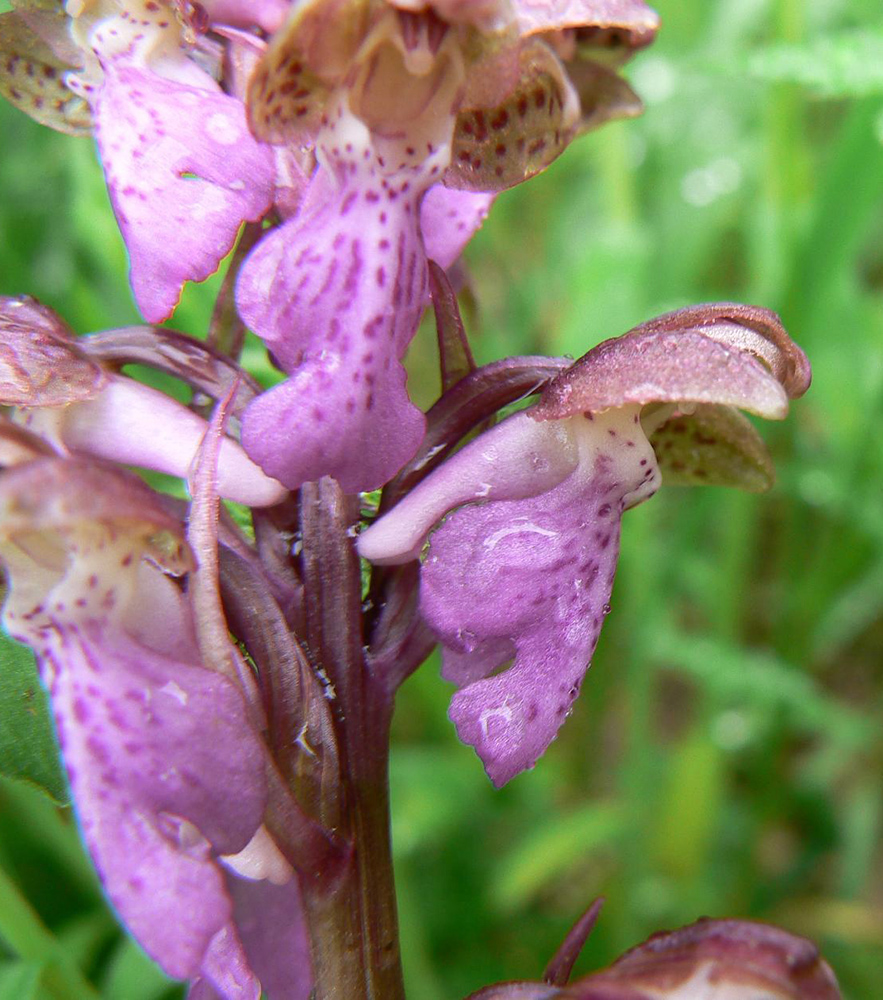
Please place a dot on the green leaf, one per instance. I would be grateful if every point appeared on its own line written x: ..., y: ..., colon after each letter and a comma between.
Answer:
x: 548, y: 852
x: 22, y: 930
x: 761, y: 679
x: 848, y: 64
x: 131, y: 974
x: 86, y: 937
x: 19, y: 980
x: 28, y: 748
x: 690, y: 808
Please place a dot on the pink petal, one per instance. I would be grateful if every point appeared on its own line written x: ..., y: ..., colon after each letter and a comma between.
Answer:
x: 140, y: 734
x: 135, y: 424
x: 518, y: 458
x: 337, y: 293
x: 271, y: 923
x: 523, y: 570
x: 266, y: 14
x: 449, y: 219
x: 534, y: 574
x: 153, y: 134
x: 165, y: 768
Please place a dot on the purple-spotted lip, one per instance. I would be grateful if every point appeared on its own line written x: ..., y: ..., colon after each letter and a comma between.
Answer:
x: 722, y: 353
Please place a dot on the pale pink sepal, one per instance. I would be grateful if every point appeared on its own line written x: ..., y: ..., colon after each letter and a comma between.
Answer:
x: 135, y: 424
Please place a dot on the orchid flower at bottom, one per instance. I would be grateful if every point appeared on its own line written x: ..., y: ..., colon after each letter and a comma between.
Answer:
x: 522, y: 564
x: 709, y: 960
x: 166, y: 764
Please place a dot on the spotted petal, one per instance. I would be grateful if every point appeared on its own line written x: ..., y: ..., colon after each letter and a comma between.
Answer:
x: 31, y: 78
x: 139, y: 718
x: 536, y: 573
x: 712, y: 446
x: 40, y: 362
x: 305, y: 59
x: 526, y: 571
x: 139, y: 734
x: 528, y: 125
x: 183, y: 173
x: 523, y: 570
x: 337, y: 293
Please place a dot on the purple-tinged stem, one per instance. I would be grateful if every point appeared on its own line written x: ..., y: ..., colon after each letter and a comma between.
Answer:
x: 353, y: 919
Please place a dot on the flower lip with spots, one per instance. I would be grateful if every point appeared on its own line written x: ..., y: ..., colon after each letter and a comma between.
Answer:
x: 523, y: 523
x: 174, y: 826
x: 394, y: 98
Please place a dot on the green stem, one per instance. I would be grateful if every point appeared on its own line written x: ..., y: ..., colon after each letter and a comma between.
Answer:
x: 226, y: 329
x: 28, y: 937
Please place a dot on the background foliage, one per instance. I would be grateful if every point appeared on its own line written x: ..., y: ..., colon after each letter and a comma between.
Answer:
x: 725, y: 755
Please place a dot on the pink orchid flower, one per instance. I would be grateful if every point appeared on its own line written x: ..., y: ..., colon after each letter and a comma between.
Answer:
x: 523, y: 523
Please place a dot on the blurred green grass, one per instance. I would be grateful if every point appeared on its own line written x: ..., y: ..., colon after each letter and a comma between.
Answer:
x: 725, y: 755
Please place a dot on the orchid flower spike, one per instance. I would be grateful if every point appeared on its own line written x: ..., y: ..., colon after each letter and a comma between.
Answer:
x: 396, y: 98
x: 523, y: 523
x: 709, y: 960
x: 83, y: 407
x: 166, y: 768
